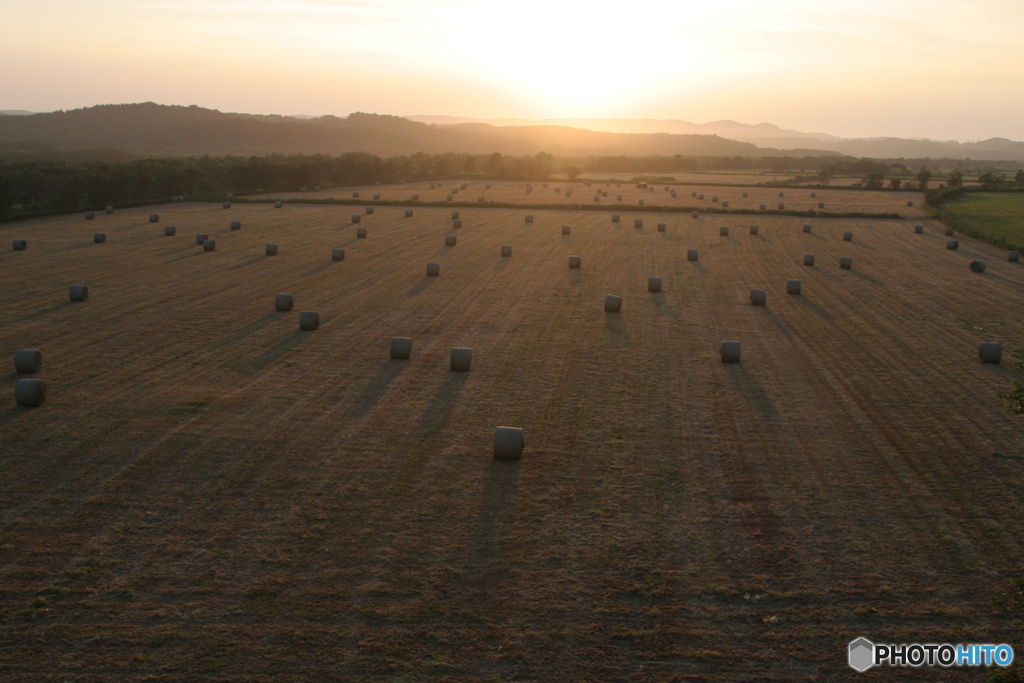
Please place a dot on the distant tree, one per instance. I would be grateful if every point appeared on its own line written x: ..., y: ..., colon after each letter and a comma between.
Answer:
x: 923, y: 176
x: 573, y: 171
x: 874, y: 181
x: 1018, y: 177
x: 895, y: 183
x: 544, y: 163
x: 989, y: 180
x: 956, y: 179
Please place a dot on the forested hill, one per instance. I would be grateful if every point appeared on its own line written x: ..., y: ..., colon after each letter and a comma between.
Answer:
x: 161, y: 130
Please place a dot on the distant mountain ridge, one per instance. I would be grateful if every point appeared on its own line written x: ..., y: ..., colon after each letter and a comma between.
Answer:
x: 150, y: 129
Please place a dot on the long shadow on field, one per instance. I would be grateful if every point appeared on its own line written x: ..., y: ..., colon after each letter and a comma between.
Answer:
x: 756, y: 396
x: 778, y: 321
x: 329, y: 264
x: 825, y: 273
x: 813, y: 307
x: 41, y: 311
x: 502, y: 264
x: 992, y: 276
x: 420, y: 286
x: 374, y: 389
x: 661, y: 303
x: 864, y: 276
x: 250, y: 262
x: 699, y: 266
x: 254, y: 326
x: 494, y: 521
x: 441, y: 252
x: 278, y: 350
x: 574, y: 277
x: 12, y: 414
x: 618, y: 335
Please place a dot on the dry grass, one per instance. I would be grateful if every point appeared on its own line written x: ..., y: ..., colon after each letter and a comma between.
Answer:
x: 211, y: 494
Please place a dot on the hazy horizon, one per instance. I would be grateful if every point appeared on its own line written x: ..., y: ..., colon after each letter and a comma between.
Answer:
x: 941, y: 70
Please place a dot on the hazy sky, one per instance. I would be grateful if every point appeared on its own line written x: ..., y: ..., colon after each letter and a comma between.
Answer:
x: 942, y: 69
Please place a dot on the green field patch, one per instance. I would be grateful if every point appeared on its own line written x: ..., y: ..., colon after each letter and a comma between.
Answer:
x: 995, y: 217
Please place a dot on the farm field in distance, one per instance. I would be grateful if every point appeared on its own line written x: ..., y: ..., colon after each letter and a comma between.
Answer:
x: 997, y: 215
x: 210, y: 493
x: 656, y: 196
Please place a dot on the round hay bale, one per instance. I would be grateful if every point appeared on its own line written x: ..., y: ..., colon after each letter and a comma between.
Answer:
x: 415, y: 197
x: 597, y: 197
x: 463, y: 186
x: 566, y: 229
x: 977, y: 266
x: 154, y: 218
x: 433, y: 269
x: 952, y: 245
x: 201, y: 237
x: 401, y: 348
x: 700, y: 197
x: 408, y: 213
x: 725, y: 204
x: 361, y: 233
x: 693, y: 194
x: 236, y: 225
x: 990, y: 352
x: 271, y: 250
x: 488, y: 186
x: 918, y: 229
x: 692, y: 255
x: 109, y: 210
x: 99, y: 237
x: 337, y: 254
x: 821, y: 205
x: 356, y: 218
x: 1013, y: 256
x: 847, y: 236
x: 480, y: 199
x: 654, y: 284
x: 744, y: 195
x: 694, y: 214
x: 575, y: 262
x: 638, y: 223
x: 508, y: 443
x: 19, y: 245
x: 278, y: 205
x: 758, y: 297
x: 226, y: 205
x: 283, y: 302
x: 450, y: 240
x: 612, y: 303
x: 662, y: 227
x: 782, y: 207
x: 376, y: 195
x: 506, y: 251
x: 910, y: 203
x: 616, y: 218
x: 529, y: 218
x: 714, y: 198
x: 309, y: 321
x: 807, y: 228
x: 808, y: 259
x: 170, y: 231
x: 792, y: 286
x: 355, y: 195
x: 457, y: 223
x: 455, y: 215
x: 730, y: 351
x: 29, y: 393
x: 78, y: 292
x: 618, y: 197
x: 460, y: 359
x: 813, y: 195
x: 27, y: 361
x: 448, y: 198
x: 845, y: 262
x: 89, y: 215
x: 782, y: 194
x: 640, y: 202
x: 949, y: 232
x: 764, y: 206
x: 724, y: 231
x: 369, y: 211
x: 209, y: 245
x: 753, y: 229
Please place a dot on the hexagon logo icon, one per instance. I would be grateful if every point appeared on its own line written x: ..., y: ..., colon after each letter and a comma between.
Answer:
x: 862, y: 654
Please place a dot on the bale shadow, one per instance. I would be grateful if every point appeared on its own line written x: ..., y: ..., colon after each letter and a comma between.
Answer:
x: 249, y: 329
x: 12, y: 414
x: 812, y: 306
x: 250, y: 262
x: 374, y: 389
x: 824, y: 273
x: 501, y: 264
x: 864, y: 276
x: 661, y: 303
x: 756, y: 396
x: 998, y: 278
x: 43, y: 311
x: 575, y: 276
x: 278, y: 350
x: 618, y: 335
x: 778, y: 321
x: 565, y: 239
x: 441, y: 252
x: 494, y: 521
x: 699, y: 266
x: 321, y: 268
x: 418, y: 288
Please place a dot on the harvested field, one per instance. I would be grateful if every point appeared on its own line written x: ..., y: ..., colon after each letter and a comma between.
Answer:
x: 211, y: 493
x: 507, y: 192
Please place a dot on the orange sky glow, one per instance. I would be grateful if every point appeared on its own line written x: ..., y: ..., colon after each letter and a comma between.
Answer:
x: 937, y: 69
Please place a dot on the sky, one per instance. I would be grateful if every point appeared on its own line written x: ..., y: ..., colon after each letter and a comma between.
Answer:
x: 941, y: 69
